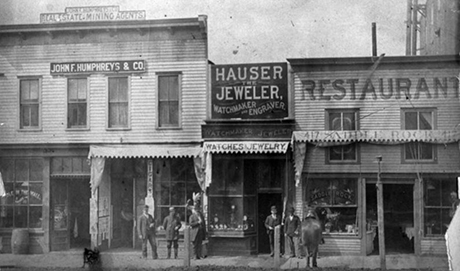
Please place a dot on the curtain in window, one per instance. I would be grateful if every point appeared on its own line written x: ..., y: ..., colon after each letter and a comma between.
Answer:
x: 97, y: 171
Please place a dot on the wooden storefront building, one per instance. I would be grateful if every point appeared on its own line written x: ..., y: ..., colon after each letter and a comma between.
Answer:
x: 100, y: 114
x: 393, y: 117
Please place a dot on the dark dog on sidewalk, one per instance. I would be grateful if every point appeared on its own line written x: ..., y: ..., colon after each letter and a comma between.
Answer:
x: 91, y: 257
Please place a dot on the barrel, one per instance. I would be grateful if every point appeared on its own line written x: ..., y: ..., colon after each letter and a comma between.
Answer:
x: 20, y: 241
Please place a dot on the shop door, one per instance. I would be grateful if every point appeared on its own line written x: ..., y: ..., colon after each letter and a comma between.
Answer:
x: 264, y: 202
x: 59, y: 224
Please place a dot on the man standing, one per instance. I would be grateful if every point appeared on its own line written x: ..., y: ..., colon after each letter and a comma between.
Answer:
x: 146, y: 231
x: 197, y: 231
x: 271, y: 222
x: 172, y: 225
x: 292, y: 230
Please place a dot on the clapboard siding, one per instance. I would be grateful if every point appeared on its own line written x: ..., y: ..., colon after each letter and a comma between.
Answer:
x: 434, y: 246
x: 183, y: 53
x: 340, y: 246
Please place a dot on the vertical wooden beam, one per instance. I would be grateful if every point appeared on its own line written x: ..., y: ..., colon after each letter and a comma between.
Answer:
x: 418, y: 210
x: 374, y: 39
x: 277, y: 247
x: 187, y: 246
x: 380, y: 218
x: 362, y: 229
x: 409, y: 28
x: 414, y: 27
x: 46, y: 200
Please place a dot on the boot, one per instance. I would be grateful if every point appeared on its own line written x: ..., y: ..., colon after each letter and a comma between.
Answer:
x: 175, y: 253
x: 169, y: 253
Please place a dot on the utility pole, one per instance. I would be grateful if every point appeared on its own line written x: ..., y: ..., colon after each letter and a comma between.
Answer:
x: 380, y: 218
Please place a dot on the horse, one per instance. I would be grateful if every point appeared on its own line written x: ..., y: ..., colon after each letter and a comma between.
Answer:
x: 312, y: 235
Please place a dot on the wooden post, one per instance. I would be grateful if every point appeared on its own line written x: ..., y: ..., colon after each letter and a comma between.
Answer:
x: 187, y: 246
x: 277, y: 246
x: 380, y: 218
x: 374, y: 40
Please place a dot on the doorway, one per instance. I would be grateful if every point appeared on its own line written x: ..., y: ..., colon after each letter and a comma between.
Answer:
x: 398, y: 207
x: 264, y: 203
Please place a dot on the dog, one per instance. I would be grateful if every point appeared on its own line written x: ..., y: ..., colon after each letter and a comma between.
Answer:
x: 90, y: 257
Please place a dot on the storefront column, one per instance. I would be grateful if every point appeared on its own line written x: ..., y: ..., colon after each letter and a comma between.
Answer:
x: 418, y: 220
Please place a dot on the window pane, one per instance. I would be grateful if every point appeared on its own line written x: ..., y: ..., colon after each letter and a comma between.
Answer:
x: 349, y: 121
x: 20, y: 216
x: 344, y: 192
x: 25, y: 116
x: 349, y: 152
x: 82, y: 87
x: 113, y: 90
x: 35, y: 217
x: 426, y: 151
x: 25, y: 90
x: 318, y: 192
x: 34, y: 90
x: 411, y: 151
x: 178, y: 193
x: 6, y: 216
x: 410, y: 121
x: 35, y: 193
x: 21, y: 193
x: 335, y: 121
x: 426, y: 122
x: 22, y: 170
x: 73, y: 89
x: 165, y: 188
x: 34, y: 115
x: 36, y: 170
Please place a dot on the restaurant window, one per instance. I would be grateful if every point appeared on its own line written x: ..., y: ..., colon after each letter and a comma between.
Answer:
x: 169, y: 100
x: 419, y: 119
x: 77, y: 89
x: 336, y: 202
x: 22, y: 205
x: 118, y: 102
x: 29, y: 103
x: 342, y: 120
x: 177, y: 183
x: 440, y: 203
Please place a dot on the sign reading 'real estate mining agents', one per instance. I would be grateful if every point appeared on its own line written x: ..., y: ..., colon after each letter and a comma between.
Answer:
x: 110, y: 66
x: 249, y: 91
x: 92, y: 14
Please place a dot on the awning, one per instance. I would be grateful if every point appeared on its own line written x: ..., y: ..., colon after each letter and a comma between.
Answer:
x: 378, y: 136
x: 246, y: 147
x: 144, y: 151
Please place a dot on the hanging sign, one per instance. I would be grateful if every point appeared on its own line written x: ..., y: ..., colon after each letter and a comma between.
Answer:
x: 249, y: 91
x: 92, y: 14
x: 246, y: 147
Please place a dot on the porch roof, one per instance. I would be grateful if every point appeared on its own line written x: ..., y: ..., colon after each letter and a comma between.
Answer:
x: 145, y: 151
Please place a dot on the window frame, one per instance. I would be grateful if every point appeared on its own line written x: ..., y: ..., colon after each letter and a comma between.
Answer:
x: 159, y: 125
x: 434, y: 152
x: 328, y: 150
x: 21, y: 128
x: 77, y: 127
x: 128, y: 124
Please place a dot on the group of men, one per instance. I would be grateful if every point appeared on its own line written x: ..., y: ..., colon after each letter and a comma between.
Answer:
x: 172, y: 223
x: 292, y: 227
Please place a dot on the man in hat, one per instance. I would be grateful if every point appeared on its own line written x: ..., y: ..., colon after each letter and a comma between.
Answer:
x: 292, y: 230
x: 271, y: 222
x: 146, y: 231
x: 172, y: 224
x: 197, y: 231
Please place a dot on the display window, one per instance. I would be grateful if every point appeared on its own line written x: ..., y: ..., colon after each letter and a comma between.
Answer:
x: 336, y: 204
x: 22, y: 205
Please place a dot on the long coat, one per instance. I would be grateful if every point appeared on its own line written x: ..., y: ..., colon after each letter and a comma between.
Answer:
x: 172, y: 224
x: 272, y: 222
x: 144, y: 225
x: 197, y: 227
x: 292, y: 226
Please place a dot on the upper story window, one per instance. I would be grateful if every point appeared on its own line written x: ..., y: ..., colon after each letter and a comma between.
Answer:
x: 342, y: 120
x: 169, y: 100
x: 118, y: 102
x: 29, y: 89
x: 419, y: 119
x: 77, y: 89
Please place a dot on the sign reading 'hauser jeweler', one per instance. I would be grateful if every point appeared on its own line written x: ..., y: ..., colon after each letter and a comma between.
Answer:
x: 249, y: 91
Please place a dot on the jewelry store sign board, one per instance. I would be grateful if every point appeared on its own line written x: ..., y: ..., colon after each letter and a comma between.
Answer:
x: 92, y: 14
x: 249, y: 91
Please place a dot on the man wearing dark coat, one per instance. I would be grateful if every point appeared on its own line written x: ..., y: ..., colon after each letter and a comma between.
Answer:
x: 271, y: 222
x: 172, y: 225
x: 146, y: 232
x: 197, y: 231
x: 292, y: 228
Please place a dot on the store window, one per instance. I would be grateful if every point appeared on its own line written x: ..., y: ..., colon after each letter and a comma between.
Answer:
x: 169, y: 100
x: 342, y: 120
x: 118, y: 102
x: 336, y: 202
x: 22, y: 205
x: 29, y: 103
x: 177, y: 185
x: 419, y: 119
x: 441, y: 201
x: 77, y: 89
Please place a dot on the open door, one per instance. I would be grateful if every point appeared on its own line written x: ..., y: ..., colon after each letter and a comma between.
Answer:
x: 59, y: 224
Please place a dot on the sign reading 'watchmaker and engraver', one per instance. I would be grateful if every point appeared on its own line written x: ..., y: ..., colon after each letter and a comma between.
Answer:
x: 115, y: 66
x: 92, y: 14
x: 249, y: 91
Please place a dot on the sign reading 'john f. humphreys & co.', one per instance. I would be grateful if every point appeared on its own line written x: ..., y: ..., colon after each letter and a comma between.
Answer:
x: 92, y: 14
x: 112, y: 66
x: 249, y: 91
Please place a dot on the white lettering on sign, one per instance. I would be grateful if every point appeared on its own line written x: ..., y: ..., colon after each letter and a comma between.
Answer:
x: 249, y: 73
x: 87, y: 14
x: 251, y: 147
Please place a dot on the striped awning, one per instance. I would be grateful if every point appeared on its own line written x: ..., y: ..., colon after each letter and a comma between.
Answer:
x: 246, y: 146
x: 378, y: 136
x: 144, y: 151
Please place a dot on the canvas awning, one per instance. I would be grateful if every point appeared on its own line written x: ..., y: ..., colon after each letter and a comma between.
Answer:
x: 144, y: 151
x: 246, y: 147
x: 378, y: 136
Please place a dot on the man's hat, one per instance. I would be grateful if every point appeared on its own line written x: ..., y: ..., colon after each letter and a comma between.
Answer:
x: 291, y: 209
x: 146, y: 207
x: 171, y: 208
x: 273, y: 208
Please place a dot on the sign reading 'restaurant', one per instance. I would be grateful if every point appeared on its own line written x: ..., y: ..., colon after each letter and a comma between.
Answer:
x: 98, y: 67
x: 92, y: 14
x: 249, y: 91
